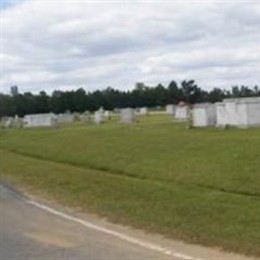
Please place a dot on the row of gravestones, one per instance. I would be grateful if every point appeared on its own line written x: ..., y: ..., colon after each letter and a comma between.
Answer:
x: 240, y: 112
x: 10, y: 122
x: 236, y: 112
x: 127, y: 115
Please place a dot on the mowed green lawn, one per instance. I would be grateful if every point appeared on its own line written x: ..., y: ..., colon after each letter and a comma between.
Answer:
x: 199, y: 185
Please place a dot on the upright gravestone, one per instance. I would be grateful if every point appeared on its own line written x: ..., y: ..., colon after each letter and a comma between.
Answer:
x: 65, y: 118
x: 127, y: 116
x: 107, y: 114
x: 8, y: 122
x: 85, y: 117
x: 222, y: 116
x: 182, y: 112
x: 239, y: 112
x: 40, y: 120
x: 18, y: 122
x: 144, y: 111
x: 170, y: 109
x: 99, y: 117
x: 204, y: 115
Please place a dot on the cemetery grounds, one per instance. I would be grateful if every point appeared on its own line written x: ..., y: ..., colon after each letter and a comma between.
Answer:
x: 197, y: 185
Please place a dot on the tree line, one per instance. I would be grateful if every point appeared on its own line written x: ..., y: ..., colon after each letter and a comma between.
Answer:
x: 79, y: 100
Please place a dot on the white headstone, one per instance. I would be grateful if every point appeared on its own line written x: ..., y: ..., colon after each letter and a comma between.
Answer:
x: 170, y: 109
x: 99, y: 117
x: 239, y: 112
x: 127, y: 116
x: 65, y: 118
x: 143, y: 111
x: 204, y: 115
x: 85, y: 117
x: 107, y: 114
x: 40, y: 120
x: 8, y: 122
x: 222, y: 117
x: 182, y: 113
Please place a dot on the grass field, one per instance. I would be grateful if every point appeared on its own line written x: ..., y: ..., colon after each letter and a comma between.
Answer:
x: 199, y: 185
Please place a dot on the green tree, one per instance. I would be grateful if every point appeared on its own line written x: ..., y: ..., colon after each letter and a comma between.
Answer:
x: 174, y: 93
x: 191, y: 93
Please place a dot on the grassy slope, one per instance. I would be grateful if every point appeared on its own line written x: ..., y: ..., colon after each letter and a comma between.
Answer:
x: 200, y: 185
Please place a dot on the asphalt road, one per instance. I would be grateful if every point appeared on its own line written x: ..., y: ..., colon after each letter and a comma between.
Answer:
x: 28, y: 231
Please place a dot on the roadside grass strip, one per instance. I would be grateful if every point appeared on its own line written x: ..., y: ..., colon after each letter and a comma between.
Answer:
x: 182, y: 210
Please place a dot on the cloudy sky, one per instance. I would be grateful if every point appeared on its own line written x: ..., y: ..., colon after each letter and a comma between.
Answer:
x: 62, y: 44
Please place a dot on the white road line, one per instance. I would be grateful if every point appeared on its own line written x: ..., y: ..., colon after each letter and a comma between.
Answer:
x: 124, y: 237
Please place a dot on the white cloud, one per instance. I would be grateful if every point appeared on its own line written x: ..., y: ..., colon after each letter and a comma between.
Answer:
x: 69, y: 44
x: 201, y: 58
